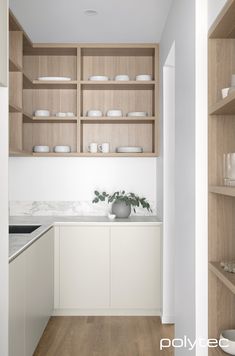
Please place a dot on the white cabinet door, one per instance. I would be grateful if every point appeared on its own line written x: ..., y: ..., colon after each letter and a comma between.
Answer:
x: 39, y: 289
x: 136, y: 267
x: 84, y: 267
x: 17, y: 307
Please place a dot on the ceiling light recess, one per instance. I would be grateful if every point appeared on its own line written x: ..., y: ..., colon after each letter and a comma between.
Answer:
x: 90, y: 12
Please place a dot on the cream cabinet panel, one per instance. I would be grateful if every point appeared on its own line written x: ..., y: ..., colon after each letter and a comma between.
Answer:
x: 84, y: 267
x: 17, y: 307
x: 136, y: 267
x: 39, y: 289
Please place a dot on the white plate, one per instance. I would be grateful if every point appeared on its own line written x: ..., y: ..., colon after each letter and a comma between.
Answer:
x: 129, y: 149
x: 41, y: 149
x: 143, y: 77
x: 70, y: 114
x: 137, y: 113
x: 114, y: 113
x: 121, y: 77
x: 42, y: 113
x: 63, y: 79
x: 62, y: 149
x: 94, y: 113
x: 99, y: 78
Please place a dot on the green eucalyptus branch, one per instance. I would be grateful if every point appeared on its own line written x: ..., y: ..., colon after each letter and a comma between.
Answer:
x: 129, y: 198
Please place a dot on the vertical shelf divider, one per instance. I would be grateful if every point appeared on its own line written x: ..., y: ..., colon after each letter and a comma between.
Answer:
x: 79, y: 138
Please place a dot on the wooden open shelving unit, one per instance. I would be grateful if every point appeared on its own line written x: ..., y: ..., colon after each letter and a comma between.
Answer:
x: 221, y: 124
x: 79, y: 61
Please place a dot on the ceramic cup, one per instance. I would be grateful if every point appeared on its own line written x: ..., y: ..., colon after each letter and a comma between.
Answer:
x: 93, y: 147
x: 104, y: 147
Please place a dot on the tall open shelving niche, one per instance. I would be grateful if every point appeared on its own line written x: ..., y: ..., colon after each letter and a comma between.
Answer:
x: 80, y: 95
x: 221, y: 198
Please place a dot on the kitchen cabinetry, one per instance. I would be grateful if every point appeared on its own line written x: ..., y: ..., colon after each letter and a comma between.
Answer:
x: 135, y: 267
x: 3, y: 43
x: 31, y: 295
x: 108, y: 270
x: 84, y: 267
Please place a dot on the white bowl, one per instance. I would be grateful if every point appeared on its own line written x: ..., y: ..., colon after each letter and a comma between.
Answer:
x: 70, y: 114
x: 42, y: 113
x: 98, y: 78
x: 115, y: 113
x: 143, y: 77
x: 130, y: 149
x: 229, y: 341
x: 63, y: 79
x: 41, y: 149
x: 121, y: 77
x: 62, y: 149
x: 137, y: 113
x: 94, y: 113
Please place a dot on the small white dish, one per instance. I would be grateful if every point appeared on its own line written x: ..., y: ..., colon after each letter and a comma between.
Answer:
x: 137, y: 113
x: 111, y: 216
x: 228, y: 343
x: 114, y: 113
x: 61, y: 114
x: 122, y: 77
x: 101, y: 78
x: 94, y: 113
x: 144, y: 77
x: 129, y: 149
x: 41, y: 149
x: 63, y: 79
x: 62, y: 149
x: 42, y: 113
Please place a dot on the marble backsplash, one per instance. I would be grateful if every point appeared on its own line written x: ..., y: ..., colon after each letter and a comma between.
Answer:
x: 66, y: 208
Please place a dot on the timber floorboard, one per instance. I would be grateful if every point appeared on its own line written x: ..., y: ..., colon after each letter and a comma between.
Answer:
x: 104, y: 336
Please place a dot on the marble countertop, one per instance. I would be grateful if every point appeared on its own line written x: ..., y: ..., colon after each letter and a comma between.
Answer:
x: 19, y: 242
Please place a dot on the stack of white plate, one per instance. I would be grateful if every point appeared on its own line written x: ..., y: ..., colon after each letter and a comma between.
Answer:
x: 63, y: 79
x: 62, y: 149
x: 101, y: 78
x: 64, y: 114
x: 130, y: 149
x: 122, y: 77
x: 143, y: 77
x: 137, y: 113
x: 42, y: 113
x: 41, y: 149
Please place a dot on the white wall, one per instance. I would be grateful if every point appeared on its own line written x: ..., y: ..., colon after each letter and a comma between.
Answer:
x: 180, y: 27
x: 75, y: 179
x: 4, y: 195
x: 214, y: 7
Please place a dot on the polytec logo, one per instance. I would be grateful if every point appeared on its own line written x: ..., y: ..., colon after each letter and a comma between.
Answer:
x: 187, y: 343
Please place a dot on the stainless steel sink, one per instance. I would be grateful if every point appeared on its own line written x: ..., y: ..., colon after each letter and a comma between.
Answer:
x: 22, y: 229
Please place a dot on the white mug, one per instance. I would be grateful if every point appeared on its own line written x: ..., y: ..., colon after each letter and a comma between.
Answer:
x: 104, y: 147
x: 93, y: 147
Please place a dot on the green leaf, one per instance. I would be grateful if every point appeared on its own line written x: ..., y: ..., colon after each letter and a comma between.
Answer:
x: 97, y: 193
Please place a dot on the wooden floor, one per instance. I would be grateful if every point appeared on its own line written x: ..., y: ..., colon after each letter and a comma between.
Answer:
x: 104, y: 336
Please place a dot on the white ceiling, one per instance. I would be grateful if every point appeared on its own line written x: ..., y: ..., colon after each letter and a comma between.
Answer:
x: 117, y: 20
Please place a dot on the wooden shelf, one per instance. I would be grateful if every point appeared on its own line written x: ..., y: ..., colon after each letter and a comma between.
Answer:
x: 49, y: 118
x: 112, y: 84
x: 29, y: 83
x: 20, y: 154
x: 224, y: 107
x: 14, y: 108
x: 55, y: 82
x: 14, y: 67
x: 224, y: 27
x: 228, y: 279
x: 87, y: 154
x: 117, y: 119
x: 223, y: 190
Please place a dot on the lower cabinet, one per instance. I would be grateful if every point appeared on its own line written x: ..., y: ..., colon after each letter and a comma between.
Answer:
x: 84, y: 267
x: 31, y: 295
x: 108, y: 270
